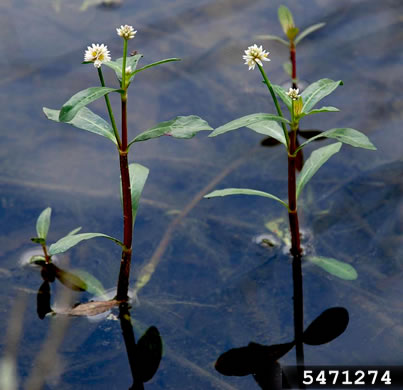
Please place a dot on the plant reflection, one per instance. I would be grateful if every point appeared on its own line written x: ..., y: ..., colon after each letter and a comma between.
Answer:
x: 144, y: 356
x: 261, y: 361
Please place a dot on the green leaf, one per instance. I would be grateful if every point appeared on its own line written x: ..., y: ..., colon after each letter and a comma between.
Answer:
x: 335, y: 267
x: 131, y: 61
x: 67, y: 242
x: 271, y: 129
x: 246, y: 121
x: 38, y: 260
x: 273, y: 38
x: 74, y: 231
x: 317, y: 91
x: 80, y: 100
x: 155, y: 64
x: 318, y: 110
x: 308, y: 31
x: 85, y: 119
x: 282, y: 94
x: 314, y: 162
x: 93, y: 285
x: 346, y: 135
x: 138, y: 176
x: 43, y: 223
x: 69, y: 279
x: 180, y: 127
x: 244, y: 191
x: 285, y: 18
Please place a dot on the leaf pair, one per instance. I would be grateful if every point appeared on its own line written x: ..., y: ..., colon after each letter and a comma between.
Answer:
x: 287, y: 23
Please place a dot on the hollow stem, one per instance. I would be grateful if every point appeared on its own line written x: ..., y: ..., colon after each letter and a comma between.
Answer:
x: 273, y: 95
x: 110, y: 112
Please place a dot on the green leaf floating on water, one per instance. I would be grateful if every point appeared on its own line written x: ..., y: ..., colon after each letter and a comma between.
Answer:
x: 248, y: 121
x: 43, y: 223
x: 316, y: 92
x: 65, y: 243
x: 80, y: 100
x: 335, y: 267
x: 85, y: 119
x: 181, y: 127
x: 314, y: 162
x: 346, y: 135
x: 244, y: 191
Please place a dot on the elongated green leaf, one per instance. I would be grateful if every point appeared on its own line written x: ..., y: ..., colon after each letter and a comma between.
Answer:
x: 282, y: 94
x: 244, y: 191
x: 138, y: 177
x: 272, y: 38
x: 271, y: 129
x: 93, y: 285
x: 314, y: 162
x: 181, y: 127
x: 131, y: 61
x: 317, y: 91
x: 318, y: 110
x: 85, y: 119
x: 346, y: 135
x: 246, y: 121
x: 335, y: 267
x: 285, y: 18
x: 80, y: 100
x: 43, y: 223
x: 155, y: 64
x: 307, y: 31
x: 74, y: 231
x: 65, y: 243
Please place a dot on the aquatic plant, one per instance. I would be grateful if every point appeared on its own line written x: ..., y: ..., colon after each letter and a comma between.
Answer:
x: 299, y: 106
x: 133, y: 176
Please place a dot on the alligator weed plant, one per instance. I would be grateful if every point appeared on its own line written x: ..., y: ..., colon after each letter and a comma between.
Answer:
x: 299, y: 106
x: 133, y: 176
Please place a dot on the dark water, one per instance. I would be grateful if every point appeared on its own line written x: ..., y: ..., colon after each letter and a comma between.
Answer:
x: 213, y: 288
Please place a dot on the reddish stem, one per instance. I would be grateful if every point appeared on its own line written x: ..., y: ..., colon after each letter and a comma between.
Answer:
x: 124, y: 273
x: 292, y: 198
x: 293, y: 65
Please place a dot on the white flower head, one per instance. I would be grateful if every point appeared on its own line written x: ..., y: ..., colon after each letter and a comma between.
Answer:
x: 97, y: 54
x: 126, y: 32
x: 255, y: 55
x: 293, y: 93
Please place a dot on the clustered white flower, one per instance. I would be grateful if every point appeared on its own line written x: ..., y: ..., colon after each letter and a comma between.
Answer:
x: 293, y: 93
x: 126, y: 32
x: 98, y: 54
x: 255, y: 55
